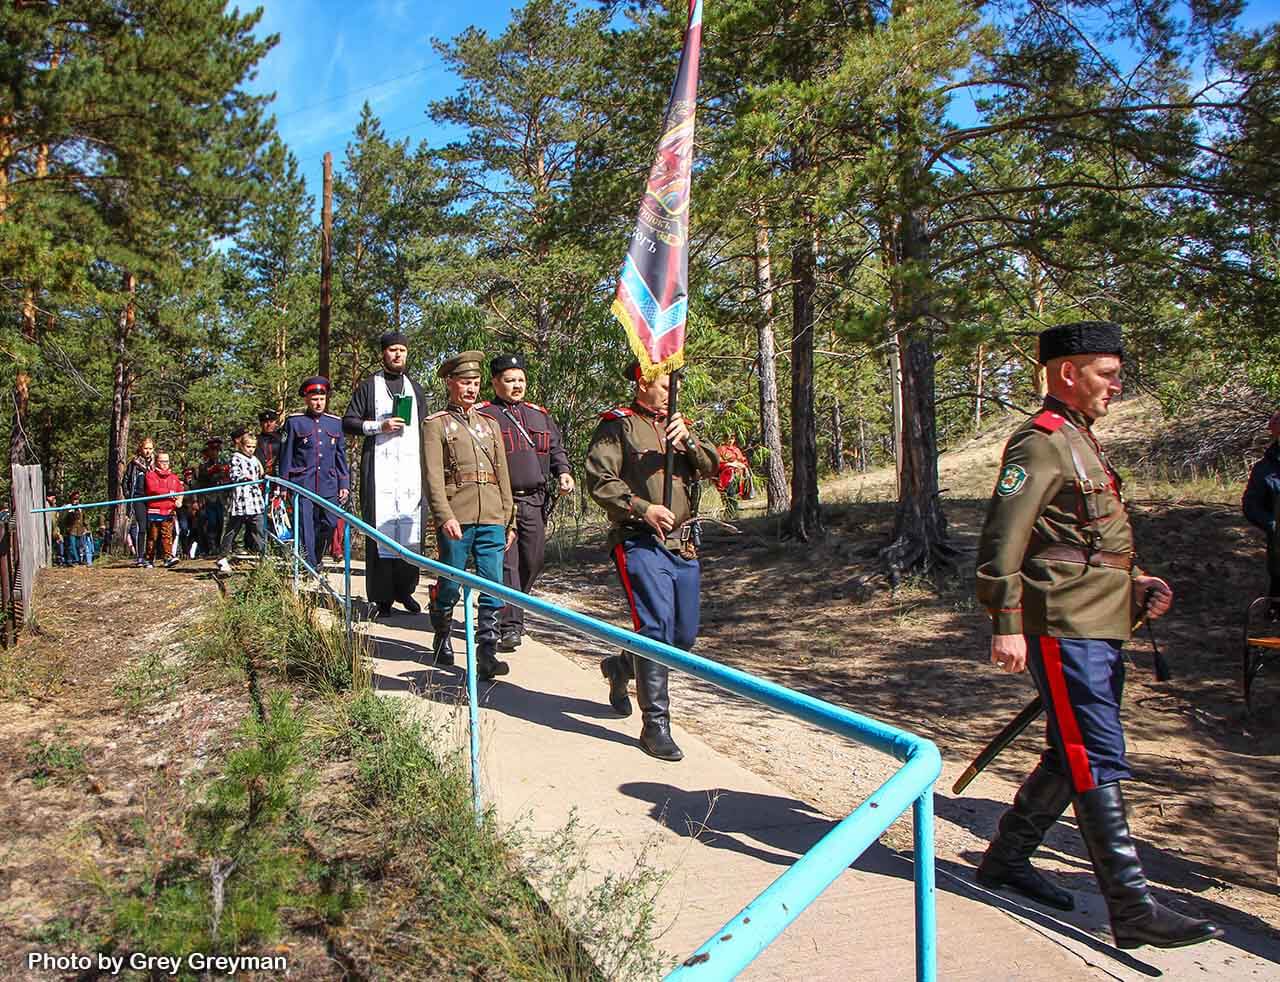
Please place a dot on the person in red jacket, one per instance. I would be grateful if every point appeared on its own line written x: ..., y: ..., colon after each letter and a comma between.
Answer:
x: 161, y: 480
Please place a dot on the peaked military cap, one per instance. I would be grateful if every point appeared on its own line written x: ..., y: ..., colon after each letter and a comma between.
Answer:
x: 267, y: 415
x: 503, y: 362
x: 466, y: 364
x: 1081, y: 338
x: 314, y: 384
x: 390, y: 338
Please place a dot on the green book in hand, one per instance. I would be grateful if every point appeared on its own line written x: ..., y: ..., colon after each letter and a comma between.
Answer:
x: 404, y: 408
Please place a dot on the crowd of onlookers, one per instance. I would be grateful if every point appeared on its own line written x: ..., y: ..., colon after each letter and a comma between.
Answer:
x: 175, y: 525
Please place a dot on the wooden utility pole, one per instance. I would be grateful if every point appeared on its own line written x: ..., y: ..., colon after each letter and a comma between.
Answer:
x: 326, y: 262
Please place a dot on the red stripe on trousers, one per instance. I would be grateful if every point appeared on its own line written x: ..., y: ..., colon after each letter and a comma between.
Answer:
x: 620, y: 560
x: 1068, y: 728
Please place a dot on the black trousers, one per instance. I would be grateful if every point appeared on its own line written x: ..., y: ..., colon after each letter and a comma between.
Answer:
x: 253, y: 537
x: 523, y: 561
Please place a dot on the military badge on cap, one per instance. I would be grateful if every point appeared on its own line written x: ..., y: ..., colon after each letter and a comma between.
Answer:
x: 463, y: 365
x: 504, y: 362
x: 1012, y: 478
x: 314, y: 384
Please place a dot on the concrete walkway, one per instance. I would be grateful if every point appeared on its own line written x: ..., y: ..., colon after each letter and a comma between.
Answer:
x: 552, y: 749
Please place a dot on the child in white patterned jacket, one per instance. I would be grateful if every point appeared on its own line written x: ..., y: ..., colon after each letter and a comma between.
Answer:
x: 247, y: 501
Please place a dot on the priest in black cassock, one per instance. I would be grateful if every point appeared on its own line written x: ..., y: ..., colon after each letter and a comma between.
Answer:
x: 387, y: 409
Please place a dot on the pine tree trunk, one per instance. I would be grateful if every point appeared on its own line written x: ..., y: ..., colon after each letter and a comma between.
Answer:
x: 837, y: 438
x: 282, y: 363
x: 977, y: 397
x: 121, y: 406
x: 770, y: 422
x: 805, y: 520
x: 919, y: 542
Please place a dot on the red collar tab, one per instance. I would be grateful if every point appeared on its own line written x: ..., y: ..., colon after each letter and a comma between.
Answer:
x: 1049, y: 421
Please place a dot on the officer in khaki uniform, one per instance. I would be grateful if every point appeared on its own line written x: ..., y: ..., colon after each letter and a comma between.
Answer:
x: 469, y: 491
x: 1056, y: 573
x: 651, y: 548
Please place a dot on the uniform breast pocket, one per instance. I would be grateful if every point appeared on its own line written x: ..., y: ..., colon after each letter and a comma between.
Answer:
x: 541, y: 441
x: 509, y: 441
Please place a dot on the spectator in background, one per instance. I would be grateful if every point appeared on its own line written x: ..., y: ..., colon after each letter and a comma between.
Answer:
x: 160, y: 520
x: 75, y: 533
x: 56, y: 541
x: 247, y: 504
x: 734, y: 478
x: 268, y: 452
x: 189, y: 518
x: 135, y: 487
x: 1261, y: 505
x: 213, y: 471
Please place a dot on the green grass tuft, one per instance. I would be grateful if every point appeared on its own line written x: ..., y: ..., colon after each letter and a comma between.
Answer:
x: 57, y: 761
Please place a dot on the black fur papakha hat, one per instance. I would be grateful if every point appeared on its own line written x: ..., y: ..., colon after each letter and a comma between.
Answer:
x: 1081, y: 338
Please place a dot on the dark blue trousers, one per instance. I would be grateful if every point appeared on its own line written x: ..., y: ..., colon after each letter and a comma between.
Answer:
x: 316, y: 527
x: 661, y: 589
x: 1081, y: 682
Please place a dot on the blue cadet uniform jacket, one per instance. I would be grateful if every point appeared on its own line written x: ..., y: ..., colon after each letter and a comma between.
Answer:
x: 314, y: 454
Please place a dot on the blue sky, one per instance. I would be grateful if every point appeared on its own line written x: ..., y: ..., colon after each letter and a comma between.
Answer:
x: 333, y: 56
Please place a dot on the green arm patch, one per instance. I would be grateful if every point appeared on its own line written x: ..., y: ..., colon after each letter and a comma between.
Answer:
x: 1012, y: 478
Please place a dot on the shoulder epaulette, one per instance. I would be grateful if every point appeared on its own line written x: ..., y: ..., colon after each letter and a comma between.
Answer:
x: 618, y: 412
x: 534, y: 405
x: 298, y: 413
x: 437, y: 414
x: 1048, y: 421
x: 481, y: 405
x: 332, y: 415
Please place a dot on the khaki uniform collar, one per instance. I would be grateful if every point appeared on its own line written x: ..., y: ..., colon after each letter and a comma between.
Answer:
x: 1079, y: 419
x: 648, y: 413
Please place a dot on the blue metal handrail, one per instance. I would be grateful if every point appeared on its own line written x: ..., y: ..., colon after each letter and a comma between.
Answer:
x: 734, y: 946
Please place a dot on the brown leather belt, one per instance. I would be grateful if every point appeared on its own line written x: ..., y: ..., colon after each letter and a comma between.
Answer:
x: 1074, y: 554
x: 472, y: 477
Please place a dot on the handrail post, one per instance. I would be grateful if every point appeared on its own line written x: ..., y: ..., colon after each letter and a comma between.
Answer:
x: 473, y: 697
x: 297, y: 537
x: 922, y: 833
x: 346, y: 575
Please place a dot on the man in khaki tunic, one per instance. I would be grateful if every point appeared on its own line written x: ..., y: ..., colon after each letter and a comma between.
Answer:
x: 656, y: 562
x: 1056, y: 573
x: 469, y: 491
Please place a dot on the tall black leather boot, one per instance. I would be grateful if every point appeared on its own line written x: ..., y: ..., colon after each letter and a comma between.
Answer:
x: 655, y: 709
x: 617, y: 669
x: 487, y: 665
x: 442, y: 642
x: 1137, y: 918
x: 1007, y: 864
